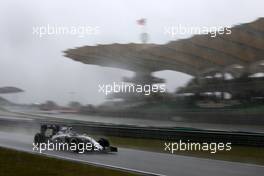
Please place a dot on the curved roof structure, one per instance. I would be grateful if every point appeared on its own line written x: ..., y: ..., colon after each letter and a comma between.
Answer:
x: 200, y: 54
x: 7, y: 90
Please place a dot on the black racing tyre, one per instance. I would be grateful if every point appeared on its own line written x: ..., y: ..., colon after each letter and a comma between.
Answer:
x: 57, y: 129
x: 104, y: 142
x: 43, y: 128
x: 39, y: 138
x: 68, y: 140
x: 74, y: 141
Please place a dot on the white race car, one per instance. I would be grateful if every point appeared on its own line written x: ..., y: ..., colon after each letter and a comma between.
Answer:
x: 65, y: 135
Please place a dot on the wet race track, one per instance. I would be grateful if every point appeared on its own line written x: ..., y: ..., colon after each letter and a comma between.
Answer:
x: 20, y: 137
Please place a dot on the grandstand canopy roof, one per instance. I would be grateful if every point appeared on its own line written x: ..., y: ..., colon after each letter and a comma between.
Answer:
x: 243, y: 48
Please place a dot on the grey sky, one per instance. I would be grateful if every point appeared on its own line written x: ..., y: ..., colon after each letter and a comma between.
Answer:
x: 37, y: 65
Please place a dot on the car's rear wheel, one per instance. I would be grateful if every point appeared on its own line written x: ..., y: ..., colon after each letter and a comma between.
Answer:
x: 74, y: 145
x: 39, y: 138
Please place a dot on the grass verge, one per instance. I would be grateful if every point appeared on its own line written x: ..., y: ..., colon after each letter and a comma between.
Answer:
x: 16, y: 163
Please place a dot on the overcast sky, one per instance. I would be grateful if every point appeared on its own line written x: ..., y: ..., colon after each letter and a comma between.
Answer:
x: 37, y: 64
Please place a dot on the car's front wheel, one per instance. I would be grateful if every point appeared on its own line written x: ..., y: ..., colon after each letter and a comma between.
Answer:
x: 104, y: 142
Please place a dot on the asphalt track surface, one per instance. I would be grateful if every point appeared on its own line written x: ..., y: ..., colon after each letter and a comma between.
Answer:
x: 148, y: 163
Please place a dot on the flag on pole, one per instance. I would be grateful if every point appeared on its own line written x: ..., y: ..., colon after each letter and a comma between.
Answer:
x: 141, y: 21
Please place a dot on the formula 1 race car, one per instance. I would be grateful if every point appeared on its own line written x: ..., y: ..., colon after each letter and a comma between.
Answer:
x: 65, y: 135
